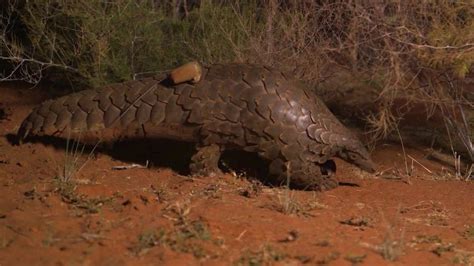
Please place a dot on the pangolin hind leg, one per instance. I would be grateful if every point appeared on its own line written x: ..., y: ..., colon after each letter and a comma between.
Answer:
x: 205, y: 161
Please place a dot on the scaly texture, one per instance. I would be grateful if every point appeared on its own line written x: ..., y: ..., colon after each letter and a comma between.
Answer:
x: 237, y: 106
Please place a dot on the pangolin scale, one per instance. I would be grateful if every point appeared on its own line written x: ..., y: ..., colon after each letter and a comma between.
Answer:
x: 234, y: 106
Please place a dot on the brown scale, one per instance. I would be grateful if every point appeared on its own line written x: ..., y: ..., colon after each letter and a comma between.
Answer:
x: 269, y: 150
x: 174, y: 114
x: 62, y: 120
x: 79, y: 120
x: 58, y: 105
x: 291, y: 151
x: 149, y: 97
x: 303, y: 122
x: 103, y: 97
x: 266, y: 103
x: 158, y: 114
x: 143, y: 113
x: 231, y: 112
x: 128, y: 116
x: 44, y: 109
x: 49, y: 122
x: 278, y: 112
x: 95, y: 120
x: 132, y: 94
x: 86, y: 102
x: 117, y: 96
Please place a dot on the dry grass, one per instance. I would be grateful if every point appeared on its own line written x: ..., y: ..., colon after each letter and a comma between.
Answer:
x: 73, y: 158
x: 186, y: 236
x: 287, y: 201
x: 265, y: 255
x: 393, y: 243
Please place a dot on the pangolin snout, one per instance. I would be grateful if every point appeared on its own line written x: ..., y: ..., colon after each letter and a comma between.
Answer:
x: 367, y: 165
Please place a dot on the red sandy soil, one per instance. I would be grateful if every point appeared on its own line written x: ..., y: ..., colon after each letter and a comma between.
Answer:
x: 156, y: 216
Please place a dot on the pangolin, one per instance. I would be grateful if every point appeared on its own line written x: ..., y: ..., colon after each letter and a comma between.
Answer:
x: 228, y: 106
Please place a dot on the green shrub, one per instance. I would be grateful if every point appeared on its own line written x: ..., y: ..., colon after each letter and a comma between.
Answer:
x: 97, y: 42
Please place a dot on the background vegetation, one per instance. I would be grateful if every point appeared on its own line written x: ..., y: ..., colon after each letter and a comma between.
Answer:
x: 376, y: 61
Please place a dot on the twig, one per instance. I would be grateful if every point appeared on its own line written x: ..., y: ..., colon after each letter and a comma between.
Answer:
x: 131, y: 166
x: 404, y: 153
x: 468, y: 46
x: 91, y: 237
x: 414, y: 160
x: 470, y: 172
x: 38, y: 62
x: 241, y: 235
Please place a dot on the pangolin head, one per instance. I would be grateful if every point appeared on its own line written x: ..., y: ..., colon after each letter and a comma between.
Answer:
x: 354, y: 152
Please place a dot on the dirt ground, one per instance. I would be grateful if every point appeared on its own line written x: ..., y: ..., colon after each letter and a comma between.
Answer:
x: 415, y: 215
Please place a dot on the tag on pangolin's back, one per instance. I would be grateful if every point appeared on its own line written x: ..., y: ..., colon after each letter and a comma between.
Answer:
x: 191, y: 72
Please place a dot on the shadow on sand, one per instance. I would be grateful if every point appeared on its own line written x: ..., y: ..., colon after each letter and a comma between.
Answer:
x: 161, y: 153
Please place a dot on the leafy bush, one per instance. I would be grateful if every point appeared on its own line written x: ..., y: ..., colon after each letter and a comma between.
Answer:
x: 99, y: 42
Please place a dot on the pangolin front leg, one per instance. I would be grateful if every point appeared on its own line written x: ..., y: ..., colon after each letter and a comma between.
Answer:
x: 304, y: 176
x: 205, y: 161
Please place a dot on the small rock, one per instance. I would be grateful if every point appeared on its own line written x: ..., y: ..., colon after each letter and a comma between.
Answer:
x: 293, y: 235
x: 126, y: 202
